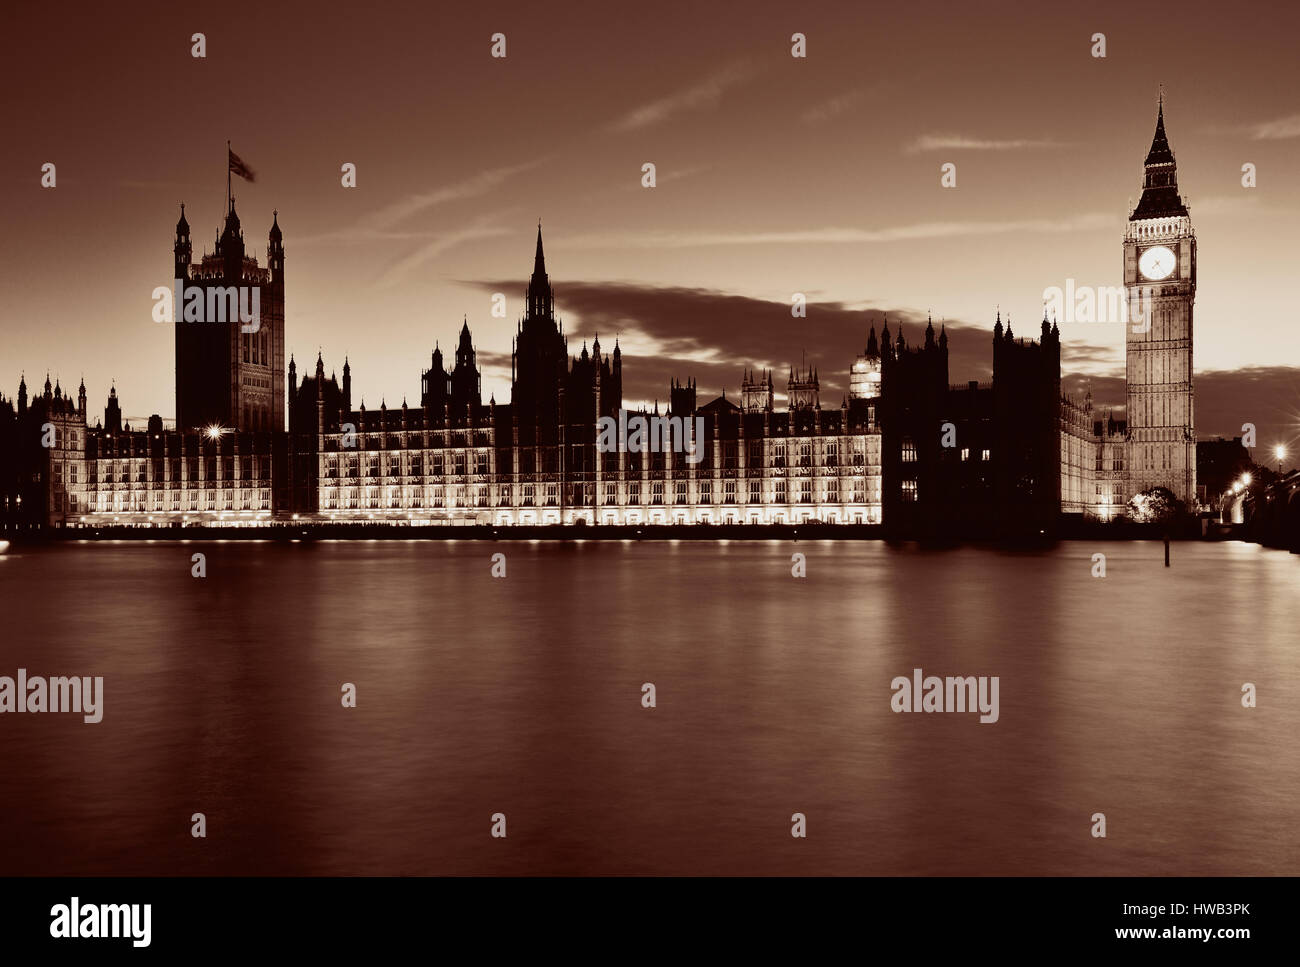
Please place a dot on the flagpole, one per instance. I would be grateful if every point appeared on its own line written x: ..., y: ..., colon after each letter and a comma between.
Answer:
x: 227, y: 177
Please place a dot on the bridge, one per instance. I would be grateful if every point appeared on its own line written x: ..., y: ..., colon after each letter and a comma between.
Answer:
x: 1271, y: 513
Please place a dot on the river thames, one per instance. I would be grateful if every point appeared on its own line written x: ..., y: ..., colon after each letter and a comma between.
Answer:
x: 522, y: 695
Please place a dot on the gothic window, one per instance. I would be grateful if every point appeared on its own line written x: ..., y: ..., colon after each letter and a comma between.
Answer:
x: 909, y: 491
x: 909, y: 450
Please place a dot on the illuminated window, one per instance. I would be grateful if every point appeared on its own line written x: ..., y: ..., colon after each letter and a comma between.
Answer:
x: 909, y: 491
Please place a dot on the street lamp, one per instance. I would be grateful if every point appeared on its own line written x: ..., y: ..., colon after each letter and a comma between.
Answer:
x: 1280, y: 452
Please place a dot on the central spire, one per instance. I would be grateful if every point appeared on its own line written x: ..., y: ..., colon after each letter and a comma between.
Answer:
x: 540, y: 297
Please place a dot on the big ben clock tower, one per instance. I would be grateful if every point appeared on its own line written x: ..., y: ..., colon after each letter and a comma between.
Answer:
x: 1160, y: 279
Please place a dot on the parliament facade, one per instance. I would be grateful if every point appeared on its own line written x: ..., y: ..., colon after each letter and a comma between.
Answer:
x: 906, y: 449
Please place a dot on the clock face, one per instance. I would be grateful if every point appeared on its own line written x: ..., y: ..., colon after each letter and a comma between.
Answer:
x: 1157, y: 263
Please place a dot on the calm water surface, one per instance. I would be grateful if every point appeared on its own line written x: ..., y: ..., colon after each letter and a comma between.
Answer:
x: 522, y: 696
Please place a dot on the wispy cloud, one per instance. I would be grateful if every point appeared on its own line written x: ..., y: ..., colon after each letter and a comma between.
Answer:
x: 958, y: 142
x: 134, y: 183
x: 483, y: 228
x: 479, y: 184
x: 838, y: 236
x: 703, y: 96
x: 1278, y: 130
x: 839, y: 104
x: 378, y: 225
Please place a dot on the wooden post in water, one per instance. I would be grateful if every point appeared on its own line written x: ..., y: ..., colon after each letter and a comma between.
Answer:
x: 1166, y: 550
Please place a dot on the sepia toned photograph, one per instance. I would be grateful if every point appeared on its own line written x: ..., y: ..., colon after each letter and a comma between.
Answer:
x: 847, y: 447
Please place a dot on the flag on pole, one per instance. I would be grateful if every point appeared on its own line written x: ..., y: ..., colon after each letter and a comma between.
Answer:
x: 238, y: 167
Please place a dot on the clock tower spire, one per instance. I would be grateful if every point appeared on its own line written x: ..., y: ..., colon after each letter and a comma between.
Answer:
x: 1160, y: 283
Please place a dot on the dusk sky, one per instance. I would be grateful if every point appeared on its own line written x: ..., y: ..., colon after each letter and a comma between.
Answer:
x: 775, y: 175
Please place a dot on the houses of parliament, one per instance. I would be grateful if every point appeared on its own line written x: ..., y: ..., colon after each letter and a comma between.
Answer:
x: 906, y: 449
